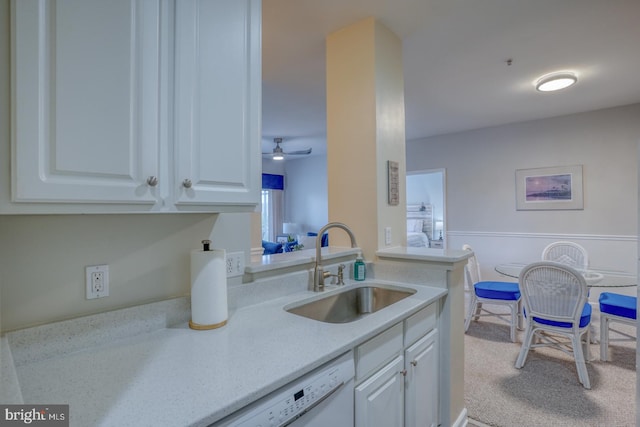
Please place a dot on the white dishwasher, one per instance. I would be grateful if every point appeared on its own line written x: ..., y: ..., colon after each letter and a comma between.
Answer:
x: 321, y: 398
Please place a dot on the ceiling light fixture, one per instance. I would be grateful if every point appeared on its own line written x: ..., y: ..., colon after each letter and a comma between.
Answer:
x: 278, y: 154
x: 555, y: 81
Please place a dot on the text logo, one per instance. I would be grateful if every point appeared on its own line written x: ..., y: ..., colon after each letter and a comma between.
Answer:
x: 34, y: 415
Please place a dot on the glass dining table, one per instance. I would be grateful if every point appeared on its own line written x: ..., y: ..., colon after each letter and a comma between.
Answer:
x: 593, y: 278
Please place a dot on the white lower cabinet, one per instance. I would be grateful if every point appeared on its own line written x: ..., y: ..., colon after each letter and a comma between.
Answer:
x: 379, y: 400
x: 421, y: 383
x: 397, y: 374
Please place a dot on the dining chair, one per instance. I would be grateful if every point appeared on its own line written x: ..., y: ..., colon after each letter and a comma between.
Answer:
x: 573, y: 255
x: 615, y: 308
x: 554, y: 298
x: 568, y: 253
x: 490, y: 292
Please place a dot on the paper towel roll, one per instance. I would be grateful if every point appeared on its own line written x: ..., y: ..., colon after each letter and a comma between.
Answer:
x: 208, y: 289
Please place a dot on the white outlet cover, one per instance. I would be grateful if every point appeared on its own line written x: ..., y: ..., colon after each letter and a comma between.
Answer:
x: 387, y: 235
x: 235, y: 264
x: 89, y: 271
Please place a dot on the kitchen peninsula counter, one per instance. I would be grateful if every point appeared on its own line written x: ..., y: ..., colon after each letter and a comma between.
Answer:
x: 144, y: 366
x: 171, y: 375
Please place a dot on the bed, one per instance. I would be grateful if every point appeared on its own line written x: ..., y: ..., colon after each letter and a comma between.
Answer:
x: 419, y: 225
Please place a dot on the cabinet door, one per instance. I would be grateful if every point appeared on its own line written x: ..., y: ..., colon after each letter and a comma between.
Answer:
x: 218, y: 102
x: 421, y: 393
x: 85, y: 100
x: 380, y: 399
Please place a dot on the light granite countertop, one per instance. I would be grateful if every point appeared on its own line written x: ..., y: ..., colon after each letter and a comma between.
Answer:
x: 159, y: 375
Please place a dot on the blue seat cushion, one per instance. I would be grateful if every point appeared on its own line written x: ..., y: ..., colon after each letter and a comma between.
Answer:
x: 618, y: 305
x: 271, y: 247
x: 498, y: 290
x: 585, y: 318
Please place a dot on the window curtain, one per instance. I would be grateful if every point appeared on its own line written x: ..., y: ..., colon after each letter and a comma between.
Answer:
x: 272, y: 206
x: 272, y: 182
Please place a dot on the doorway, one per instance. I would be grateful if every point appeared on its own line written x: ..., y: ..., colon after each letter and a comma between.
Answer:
x: 428, y: 187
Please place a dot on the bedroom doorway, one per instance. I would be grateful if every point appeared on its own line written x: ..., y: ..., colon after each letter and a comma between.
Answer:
x: 427, y: 188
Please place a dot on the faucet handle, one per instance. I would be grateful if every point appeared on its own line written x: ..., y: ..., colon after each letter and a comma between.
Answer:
x: 341, y: 274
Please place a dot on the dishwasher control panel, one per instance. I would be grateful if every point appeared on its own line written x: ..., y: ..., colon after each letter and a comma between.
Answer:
x: 287, y: 404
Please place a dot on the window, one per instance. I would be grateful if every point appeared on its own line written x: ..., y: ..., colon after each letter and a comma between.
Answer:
x: 272, y: 206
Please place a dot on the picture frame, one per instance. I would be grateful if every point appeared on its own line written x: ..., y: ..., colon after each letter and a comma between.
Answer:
x: 393, y: 183
x: 551, y: 188
x: 282, y: 238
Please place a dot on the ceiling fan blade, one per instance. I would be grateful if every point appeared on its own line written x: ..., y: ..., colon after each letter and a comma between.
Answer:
x: 296, y: 153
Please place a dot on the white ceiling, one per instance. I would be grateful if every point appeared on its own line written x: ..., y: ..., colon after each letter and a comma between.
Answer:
x: 455, y: 53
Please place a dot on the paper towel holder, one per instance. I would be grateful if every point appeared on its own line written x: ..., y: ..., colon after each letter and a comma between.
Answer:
x: 208, y: 288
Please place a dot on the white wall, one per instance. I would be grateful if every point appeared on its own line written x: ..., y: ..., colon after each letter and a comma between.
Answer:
x: 305, y: 183
x: 306, y: 192
x: 426, y: 187
x: 480, y: 172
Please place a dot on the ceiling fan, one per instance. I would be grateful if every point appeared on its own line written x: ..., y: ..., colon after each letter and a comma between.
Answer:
x: 278, y: 153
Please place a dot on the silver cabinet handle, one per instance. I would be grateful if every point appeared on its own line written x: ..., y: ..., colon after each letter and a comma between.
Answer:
x: 414, y: 363
x: 404, y: 372
x: 186, y: 183
x: 152, y: 181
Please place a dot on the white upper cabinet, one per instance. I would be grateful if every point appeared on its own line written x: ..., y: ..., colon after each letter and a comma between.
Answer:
x: 134, y: 105
x: 86, y: 98
x: 218, y: 101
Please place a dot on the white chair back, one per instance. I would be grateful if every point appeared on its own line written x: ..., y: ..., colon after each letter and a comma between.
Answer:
x: 568, y: 253
x: 472, y: 269
x: 553, y: 291
x: 558, y: 293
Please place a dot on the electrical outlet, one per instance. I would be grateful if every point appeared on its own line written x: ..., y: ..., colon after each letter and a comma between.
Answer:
x: 387, y: 235
x: 235, y: 264
x: 97, y: 281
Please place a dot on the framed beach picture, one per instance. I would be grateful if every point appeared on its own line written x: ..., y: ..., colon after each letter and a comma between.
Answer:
x: 551, y: 188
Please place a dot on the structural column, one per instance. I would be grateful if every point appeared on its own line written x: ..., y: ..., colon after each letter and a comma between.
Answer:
x: 365, y: 130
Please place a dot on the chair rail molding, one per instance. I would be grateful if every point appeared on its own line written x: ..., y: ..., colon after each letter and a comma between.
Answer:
x: 614, y: 256
x: 554, y: 236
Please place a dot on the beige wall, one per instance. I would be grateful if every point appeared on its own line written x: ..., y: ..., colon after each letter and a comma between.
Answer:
x: 43, y: 259
x: 365, y: 129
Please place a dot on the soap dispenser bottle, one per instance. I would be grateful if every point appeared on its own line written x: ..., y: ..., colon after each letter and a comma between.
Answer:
x: 359, y: 269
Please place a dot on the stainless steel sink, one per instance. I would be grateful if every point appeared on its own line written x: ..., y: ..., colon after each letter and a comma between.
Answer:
x: 351, y: 304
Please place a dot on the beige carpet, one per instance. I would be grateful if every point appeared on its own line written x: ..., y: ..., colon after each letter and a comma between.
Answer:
x: 546, y: 391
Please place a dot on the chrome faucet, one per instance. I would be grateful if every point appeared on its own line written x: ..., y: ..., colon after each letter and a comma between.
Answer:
x: 318, y: 273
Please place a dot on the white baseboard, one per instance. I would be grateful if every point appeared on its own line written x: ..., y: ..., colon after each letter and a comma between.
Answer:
x: 461, y: 421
